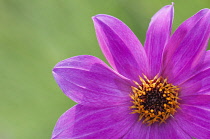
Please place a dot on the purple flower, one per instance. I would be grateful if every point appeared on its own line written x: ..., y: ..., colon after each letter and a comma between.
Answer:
x: 159, y: 91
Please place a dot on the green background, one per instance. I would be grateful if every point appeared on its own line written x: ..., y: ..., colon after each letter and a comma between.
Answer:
x: 35, y: 35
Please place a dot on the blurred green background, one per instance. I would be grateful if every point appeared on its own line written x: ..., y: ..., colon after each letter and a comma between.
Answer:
x: 35, y: 35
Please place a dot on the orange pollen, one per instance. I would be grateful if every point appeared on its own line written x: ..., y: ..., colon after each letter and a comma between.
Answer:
x: 154, y: 100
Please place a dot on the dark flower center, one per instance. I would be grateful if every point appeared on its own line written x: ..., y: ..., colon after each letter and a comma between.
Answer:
x: 155, y: 100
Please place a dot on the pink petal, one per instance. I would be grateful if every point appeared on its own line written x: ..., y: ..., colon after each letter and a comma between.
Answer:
x: 120, y: 46
x: 196, y: 83
x: 206, y: 81
x: 207, y: 56
x: 89, y: 81
x: 180, y: 34
x: 190, y: 50
x: 91, y: 123
x: 138, y: 131
x: 168, y: 130
x: 194, y: 116
x: 199, y: 81
x: 157, y: 36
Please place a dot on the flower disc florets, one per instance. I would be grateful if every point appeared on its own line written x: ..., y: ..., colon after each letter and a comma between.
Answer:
x: 155, y: 100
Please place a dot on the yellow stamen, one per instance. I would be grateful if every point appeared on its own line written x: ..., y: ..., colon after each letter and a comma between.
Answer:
x: 154, y: 100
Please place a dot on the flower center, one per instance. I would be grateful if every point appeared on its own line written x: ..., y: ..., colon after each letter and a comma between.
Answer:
x: 155, y: 100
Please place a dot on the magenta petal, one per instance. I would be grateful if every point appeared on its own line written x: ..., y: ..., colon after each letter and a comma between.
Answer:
x: 194, y: 116
x: 91, y: 123
x: 198, y: 84
x: 89, y: 81
x: 138, y: 131
x: 207, y: 56
x: 120, y: 46
x: 206, y: 81
x: 180, y: 34
x: 196, y: 100
x: 190, y: 51
x: 157, y: 36
x: 205, y: 87
x: 168, y: 130
x: 199, y: 81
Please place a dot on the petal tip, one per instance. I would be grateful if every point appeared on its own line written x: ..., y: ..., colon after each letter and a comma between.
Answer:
x: 99, y: 16
x: 56, y: 67
x: 95, y: 17
x: 172, y: 3
x: 168, y: 7
x: 53, y: 70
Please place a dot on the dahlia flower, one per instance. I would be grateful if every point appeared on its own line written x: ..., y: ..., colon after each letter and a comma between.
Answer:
x: 159, y: 91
